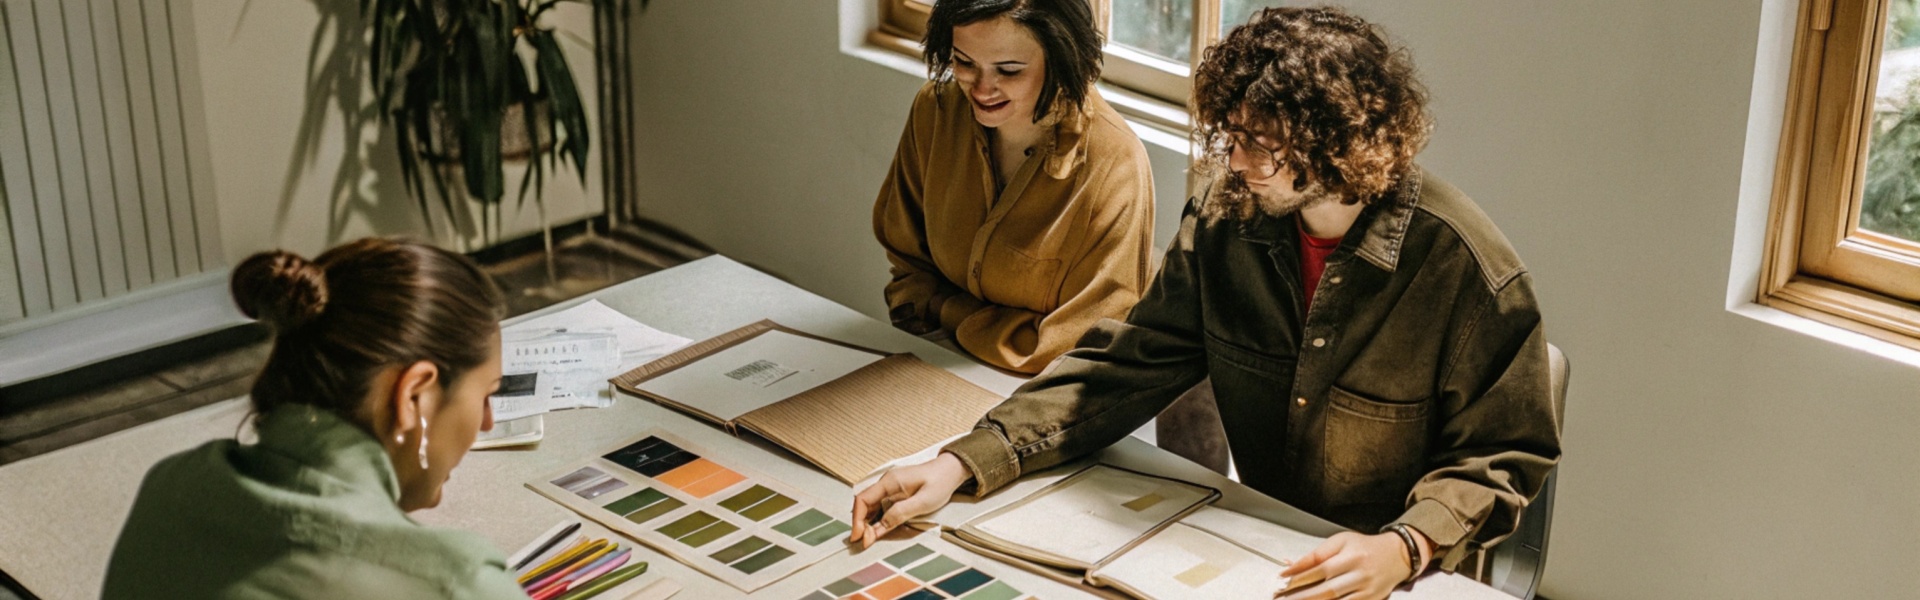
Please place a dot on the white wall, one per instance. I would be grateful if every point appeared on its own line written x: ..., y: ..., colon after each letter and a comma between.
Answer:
x: 279, y: 189
x: 1709, y: 455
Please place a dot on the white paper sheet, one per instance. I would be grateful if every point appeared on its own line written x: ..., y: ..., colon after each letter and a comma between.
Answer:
x: 638, y: 342
x: 1093, y: 515
x: 1185, y: 562
x: 574, y: 352
x: 771, y: 367
x: 1211, y: 553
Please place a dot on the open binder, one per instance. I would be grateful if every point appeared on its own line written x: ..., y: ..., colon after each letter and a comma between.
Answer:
x: 1120, y: 533
x: 847, y: 409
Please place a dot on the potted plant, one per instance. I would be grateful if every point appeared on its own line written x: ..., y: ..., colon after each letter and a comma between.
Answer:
x: 468, y: 85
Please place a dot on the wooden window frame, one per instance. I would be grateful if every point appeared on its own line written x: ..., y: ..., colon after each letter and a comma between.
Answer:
x: 1139, y: 78
x: 1818, y: 264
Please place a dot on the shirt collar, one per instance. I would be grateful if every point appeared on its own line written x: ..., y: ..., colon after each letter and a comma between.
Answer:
x: 1066, y: 141
x: 1383, y: 224
x: 323, y: 442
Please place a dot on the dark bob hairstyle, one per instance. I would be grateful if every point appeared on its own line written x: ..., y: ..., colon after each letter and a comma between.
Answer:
x: 1064, y: 29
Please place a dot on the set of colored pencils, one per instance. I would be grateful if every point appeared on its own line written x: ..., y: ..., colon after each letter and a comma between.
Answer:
x: 583, y: 570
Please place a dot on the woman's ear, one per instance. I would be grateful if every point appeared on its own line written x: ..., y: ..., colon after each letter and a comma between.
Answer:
x: 414, y: 389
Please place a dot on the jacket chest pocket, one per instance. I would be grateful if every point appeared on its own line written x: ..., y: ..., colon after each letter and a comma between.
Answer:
x: 1251, y: 389
x: 1015, y: 278
x: 1374, y: 449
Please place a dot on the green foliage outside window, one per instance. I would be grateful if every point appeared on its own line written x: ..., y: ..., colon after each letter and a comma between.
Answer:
x: 1890, y: 200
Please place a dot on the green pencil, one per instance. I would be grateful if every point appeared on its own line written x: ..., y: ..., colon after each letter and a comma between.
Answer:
x: 605, y: 582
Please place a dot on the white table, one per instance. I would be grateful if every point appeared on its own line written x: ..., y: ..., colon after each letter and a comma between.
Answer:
x: 60, y: 512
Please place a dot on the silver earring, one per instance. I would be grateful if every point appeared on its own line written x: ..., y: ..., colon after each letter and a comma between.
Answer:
x: 423, y: 442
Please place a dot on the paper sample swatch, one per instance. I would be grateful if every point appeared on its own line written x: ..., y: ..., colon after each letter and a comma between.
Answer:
x: 918, y: 573
x: 738, y: 527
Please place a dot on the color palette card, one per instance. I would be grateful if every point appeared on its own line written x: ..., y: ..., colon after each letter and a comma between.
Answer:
x: 918, y: 573
x: 737, y: 526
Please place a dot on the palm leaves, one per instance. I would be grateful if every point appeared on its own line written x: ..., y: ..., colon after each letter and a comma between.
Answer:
x: 445, y: 73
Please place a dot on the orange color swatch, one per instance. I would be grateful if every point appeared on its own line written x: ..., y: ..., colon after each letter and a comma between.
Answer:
x: 721, y: 480
x: 892, y: 588
x: 686, y: 474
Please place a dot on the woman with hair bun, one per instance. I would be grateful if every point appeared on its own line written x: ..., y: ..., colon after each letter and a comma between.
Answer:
x: 384, y: 354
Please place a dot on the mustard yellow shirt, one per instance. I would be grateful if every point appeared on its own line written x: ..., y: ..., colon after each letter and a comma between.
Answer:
x: 1015, y: 277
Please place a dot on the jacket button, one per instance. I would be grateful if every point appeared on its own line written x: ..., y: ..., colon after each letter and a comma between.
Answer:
x: 1319, y: 342
x: 1334, y: 279
x: 1302, y: 401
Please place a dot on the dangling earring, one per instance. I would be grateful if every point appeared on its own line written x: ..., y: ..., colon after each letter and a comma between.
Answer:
x: 423, y: 442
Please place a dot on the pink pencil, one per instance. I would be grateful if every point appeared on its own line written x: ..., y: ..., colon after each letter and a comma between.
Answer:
x: 598, y: 568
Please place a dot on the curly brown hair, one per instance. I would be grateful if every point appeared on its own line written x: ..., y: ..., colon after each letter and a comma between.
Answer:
x: 1343, y: 104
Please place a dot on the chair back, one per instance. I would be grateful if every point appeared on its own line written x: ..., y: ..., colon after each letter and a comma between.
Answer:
x: 1516, y: 564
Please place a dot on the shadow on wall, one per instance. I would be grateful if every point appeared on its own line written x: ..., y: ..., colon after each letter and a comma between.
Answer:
x: 367, y: 186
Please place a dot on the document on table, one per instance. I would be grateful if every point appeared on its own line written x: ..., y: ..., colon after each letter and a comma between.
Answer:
x: 563, y: 360
x: 762, y: 370
x: 638, y: 342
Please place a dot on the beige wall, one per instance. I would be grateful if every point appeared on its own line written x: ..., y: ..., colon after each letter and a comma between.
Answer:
x: 1709, y: 455
x: 278, y: 162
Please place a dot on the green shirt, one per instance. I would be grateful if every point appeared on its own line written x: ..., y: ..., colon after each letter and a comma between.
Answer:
x: 311, y: 511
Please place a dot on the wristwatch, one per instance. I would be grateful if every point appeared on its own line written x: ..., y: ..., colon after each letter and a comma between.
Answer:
x: 1413, y: 550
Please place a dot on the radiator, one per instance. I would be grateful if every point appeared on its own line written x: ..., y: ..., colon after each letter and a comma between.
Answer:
x: 105, y: 185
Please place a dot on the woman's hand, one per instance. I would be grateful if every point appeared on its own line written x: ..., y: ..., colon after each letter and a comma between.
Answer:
x: 905, y: 493
x: 1350, y: 566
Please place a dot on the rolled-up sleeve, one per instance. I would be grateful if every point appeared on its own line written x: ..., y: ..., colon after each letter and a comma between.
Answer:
x: 1500, y: 435
x: 1119, y: 377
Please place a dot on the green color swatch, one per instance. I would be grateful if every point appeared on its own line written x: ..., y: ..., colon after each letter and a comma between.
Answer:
x: 653, y: 512
x: 825, y: 532
x: 765, y: 558
x: 688, y: 524
x: 742, y: 500
x: 998, y: 590
x: 933, y: 569
x: 739, y: 550
x: 803, y: 523
x: 901, y: 559
x: 712, y: 532
x: 769, y: 507
x: 637, y: 501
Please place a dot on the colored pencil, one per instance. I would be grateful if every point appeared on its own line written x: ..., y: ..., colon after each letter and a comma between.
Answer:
x: 606, y: 582
x: 576, y: 548
x: 539, y: 577
x: 570, y: 567
x: 589, y: 570
x: 547, y: 545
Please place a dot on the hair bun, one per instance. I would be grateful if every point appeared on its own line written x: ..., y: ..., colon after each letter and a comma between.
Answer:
x: 280, y: 288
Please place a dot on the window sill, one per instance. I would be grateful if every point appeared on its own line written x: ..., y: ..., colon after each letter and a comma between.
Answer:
x: 1156, y: 122
x: 1838, y: 315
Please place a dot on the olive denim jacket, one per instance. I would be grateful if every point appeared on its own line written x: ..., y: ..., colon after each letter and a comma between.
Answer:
x: 1414, y: 391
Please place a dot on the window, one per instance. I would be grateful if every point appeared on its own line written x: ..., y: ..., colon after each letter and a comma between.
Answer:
x: 1844, y: 234
x: 1151, y: 46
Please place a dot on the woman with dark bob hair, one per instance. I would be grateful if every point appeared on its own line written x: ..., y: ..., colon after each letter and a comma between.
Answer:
x: 384, y: 354
x: 1019, y: 208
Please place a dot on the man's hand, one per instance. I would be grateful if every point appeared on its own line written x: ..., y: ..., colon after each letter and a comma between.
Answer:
x: 1350, y: 566
x: 905, y: 493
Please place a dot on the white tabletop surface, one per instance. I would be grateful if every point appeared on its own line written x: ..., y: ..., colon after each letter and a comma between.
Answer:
x: 60, y: 512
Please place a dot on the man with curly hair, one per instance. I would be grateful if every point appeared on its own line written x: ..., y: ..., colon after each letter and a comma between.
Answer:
x: 1373, y: 341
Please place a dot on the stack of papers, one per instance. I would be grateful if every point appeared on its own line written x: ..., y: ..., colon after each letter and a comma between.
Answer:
x: 563, y: 360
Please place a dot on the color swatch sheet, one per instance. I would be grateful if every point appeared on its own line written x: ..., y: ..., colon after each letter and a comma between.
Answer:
x: 918, y: 573
x: 744, y: 529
